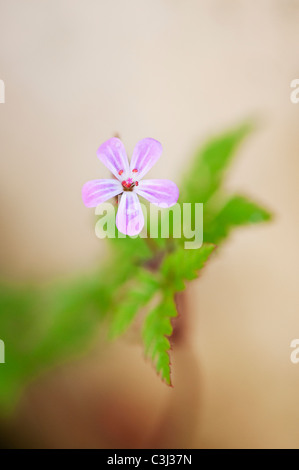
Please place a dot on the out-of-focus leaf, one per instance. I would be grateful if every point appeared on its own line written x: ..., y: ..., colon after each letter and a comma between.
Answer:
x: 72, y: 315
x: 41, y: 326
x: 131, y: 250
x: 206, y: 174
x: 19, y: 328
x: 237, y: 211
x: 135, y: 295
x: 156, y: 330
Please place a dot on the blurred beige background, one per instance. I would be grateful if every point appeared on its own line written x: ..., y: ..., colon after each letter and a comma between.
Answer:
x: 75, y: 74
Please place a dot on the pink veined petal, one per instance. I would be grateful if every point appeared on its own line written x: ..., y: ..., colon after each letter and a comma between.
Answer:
x: 113, y: 154
x: 145, y: 155
x: 129, y: 218
x: 96, y: 191
x: 163, y: 193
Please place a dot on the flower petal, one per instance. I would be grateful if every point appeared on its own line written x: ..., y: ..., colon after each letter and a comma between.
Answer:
x: 113, y: 154
x: 96, y: 191
x: 163, y: 193
x: 129, y: 218
x: 145, y: 155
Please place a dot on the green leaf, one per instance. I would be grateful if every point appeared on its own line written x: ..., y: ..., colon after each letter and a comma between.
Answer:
x: 131, y: 250
x: 41, y: 326
x: 157, y: 327
x: 207, y: 172
x: 183, y: 265
x: 19, y: 327
x: 135, y: 295
x: 237, y: 211
x: 73, y: 313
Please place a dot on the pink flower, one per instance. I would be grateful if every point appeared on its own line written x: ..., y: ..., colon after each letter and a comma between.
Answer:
x: 129, y: 183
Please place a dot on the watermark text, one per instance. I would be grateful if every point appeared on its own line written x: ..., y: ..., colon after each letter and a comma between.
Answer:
x: 179, y: 221
x: 294, y: 96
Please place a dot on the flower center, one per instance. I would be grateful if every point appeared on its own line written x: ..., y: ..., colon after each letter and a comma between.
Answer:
x: 129, y: 184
